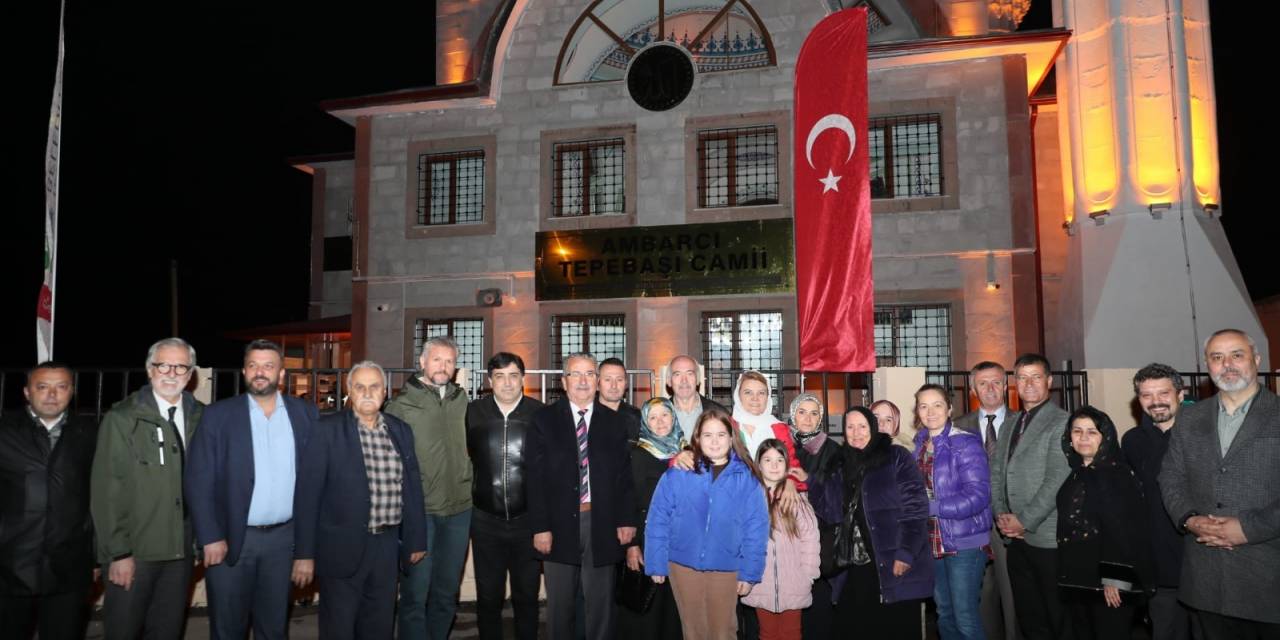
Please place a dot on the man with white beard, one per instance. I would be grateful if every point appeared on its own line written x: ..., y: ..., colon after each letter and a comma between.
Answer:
x: 1221, y: 485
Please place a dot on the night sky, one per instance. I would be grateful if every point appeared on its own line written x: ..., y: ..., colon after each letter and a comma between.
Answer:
x: 178, y: 122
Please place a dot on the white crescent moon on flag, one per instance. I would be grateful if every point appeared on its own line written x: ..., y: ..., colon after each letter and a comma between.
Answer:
x: 830, y: 121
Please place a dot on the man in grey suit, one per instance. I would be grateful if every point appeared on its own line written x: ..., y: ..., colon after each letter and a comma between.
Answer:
x: 1221, y: 484
x: 1026, y: 473
x: 988, y: 383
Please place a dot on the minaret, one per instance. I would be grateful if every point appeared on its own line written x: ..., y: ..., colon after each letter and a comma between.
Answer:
x: 1149, y: 271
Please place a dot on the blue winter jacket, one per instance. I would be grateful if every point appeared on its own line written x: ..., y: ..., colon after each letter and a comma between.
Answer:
x: 961, y: 488
x: 708, y: 526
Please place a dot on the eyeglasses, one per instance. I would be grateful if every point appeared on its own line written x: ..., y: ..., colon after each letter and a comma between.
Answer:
x: 165, y: 367
x: 575, y: 375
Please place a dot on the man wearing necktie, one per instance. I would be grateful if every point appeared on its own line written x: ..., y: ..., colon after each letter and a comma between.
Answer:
x: 1027, y: 469
x: 988, y: 383
x: 142, y: 522
x: 46, y: 538
x: 581, y: 504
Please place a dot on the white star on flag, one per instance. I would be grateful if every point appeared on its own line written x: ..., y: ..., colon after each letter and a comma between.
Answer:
x: 829, y: 182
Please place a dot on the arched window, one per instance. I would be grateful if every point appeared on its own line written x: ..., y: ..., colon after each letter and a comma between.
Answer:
x: 719, y: 35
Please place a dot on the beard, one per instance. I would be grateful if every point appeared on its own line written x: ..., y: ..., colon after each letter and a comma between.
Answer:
x: 1240, y: 383
x: 264, y: 390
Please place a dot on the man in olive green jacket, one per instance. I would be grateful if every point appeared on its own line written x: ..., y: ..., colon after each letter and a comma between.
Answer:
x: 143, y: 531
x: 436, y: 409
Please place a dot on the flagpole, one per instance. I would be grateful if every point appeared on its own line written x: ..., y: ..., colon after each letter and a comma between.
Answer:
x: 53, y: 176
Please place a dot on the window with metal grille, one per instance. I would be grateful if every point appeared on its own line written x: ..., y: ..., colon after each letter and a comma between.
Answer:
x: 451, y: 187
x: 603, y: 336
x: 738, y: 167
x: 913, y: 336
x: 736, y: 340
x: 906, y: 156
x: 467, y: 332
x: 589, y: 178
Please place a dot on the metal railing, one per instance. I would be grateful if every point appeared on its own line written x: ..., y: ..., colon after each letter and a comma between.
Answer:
x: 1199, y: 385
x: 1070, y: 389
x: 98, y: 389
x: 838, y: 391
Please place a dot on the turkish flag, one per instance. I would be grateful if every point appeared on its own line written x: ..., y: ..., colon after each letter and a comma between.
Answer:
x: 834, y: 293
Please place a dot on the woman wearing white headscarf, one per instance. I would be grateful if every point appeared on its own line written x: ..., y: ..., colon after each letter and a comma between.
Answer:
x: 753, y: 413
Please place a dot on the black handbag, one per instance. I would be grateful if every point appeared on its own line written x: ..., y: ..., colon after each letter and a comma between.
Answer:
x: 635, y: 590
x: 841, y: 545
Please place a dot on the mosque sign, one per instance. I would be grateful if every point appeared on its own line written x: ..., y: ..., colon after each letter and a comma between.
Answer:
x: 755, y: 256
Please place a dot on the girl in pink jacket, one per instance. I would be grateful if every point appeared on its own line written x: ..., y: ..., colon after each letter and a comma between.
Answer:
x: 791, y: 565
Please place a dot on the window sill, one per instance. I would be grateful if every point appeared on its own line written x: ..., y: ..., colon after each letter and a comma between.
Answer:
x: 419, y: 231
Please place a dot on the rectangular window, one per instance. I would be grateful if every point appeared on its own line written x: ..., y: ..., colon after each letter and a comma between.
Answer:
x: 467, y: 332
x: 589, y: 178
x: 603, y: 336
x: 738, y: 167
x: 451, y: 187
x: 906, y: 156
x: 733, y: 341
x: 913, y: 336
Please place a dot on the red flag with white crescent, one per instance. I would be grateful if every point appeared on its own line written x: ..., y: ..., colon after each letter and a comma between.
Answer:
x: 835, y: 296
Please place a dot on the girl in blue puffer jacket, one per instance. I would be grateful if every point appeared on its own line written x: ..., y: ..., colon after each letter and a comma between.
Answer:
x: 958, y: 483
x: 708, y: 530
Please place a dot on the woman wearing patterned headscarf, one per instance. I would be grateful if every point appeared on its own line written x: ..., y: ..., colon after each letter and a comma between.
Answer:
x: 660, y: 440
x: 1102, y: 558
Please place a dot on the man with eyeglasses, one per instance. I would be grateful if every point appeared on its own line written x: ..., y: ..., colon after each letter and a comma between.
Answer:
x: 142, y: 523
x: 1221, y: 485
x: 1027, y: 470
x: 581, y: 503
x: 240, y: 480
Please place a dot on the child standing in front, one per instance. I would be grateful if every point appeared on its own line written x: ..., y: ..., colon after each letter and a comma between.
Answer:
x: 707, y: 530
x: 791, y: 564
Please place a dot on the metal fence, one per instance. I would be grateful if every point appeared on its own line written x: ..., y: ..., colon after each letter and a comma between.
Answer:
x: 1199, y: 385
x: 837, y: 391
x: 96, y: 390
x: 1070, y: 389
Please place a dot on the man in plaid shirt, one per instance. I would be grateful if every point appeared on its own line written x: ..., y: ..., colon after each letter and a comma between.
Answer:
x: 354, y: 537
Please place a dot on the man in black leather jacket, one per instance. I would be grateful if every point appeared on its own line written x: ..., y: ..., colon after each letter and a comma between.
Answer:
x: 500, y: 534
x: 46, y: 536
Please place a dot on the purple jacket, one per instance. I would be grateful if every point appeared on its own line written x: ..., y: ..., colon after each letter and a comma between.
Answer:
x: 961, y: 486
x: 897, y: 514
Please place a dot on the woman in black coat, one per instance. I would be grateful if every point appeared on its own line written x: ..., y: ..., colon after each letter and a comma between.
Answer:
x: 1103, y: 561
x: 660, y: 440
x: 877, y: 488
x: 816, y: 451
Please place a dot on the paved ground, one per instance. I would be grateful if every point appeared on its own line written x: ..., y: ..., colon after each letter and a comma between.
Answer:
x: 303, y: 624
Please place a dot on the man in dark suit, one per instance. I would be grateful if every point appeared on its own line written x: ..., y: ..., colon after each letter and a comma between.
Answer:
x: 240, y: 478
x: 581, y: 501
x: 1221, y: 485
x: 46, y: 536
x: 359, y: 511
x: 1026, y: 472
x: 988, y: 382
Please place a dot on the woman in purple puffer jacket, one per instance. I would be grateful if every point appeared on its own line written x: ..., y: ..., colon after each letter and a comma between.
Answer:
x: 958, y: 483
